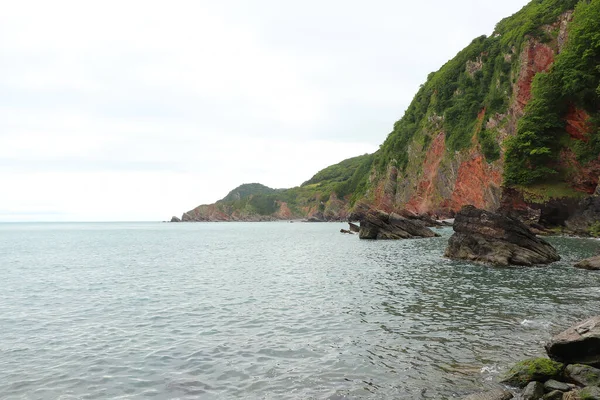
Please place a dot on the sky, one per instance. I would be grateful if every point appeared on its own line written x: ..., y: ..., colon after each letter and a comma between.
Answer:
x: 140, y: 110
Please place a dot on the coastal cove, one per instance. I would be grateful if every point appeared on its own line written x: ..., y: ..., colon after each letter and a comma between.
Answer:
x: 268, y: 310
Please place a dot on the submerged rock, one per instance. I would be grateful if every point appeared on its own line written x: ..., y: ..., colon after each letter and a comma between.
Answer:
x: 346, y: 231
x: 496, y: 394
x: 376, y: 224
x: 579, y: 344
x: 535, y: 369
x: 592, y: 263
x: 484, y: 236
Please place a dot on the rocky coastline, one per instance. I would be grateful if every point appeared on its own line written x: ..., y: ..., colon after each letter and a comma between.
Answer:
x: 569, y: 373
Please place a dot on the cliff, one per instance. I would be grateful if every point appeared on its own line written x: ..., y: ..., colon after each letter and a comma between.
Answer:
x: 511, y: 120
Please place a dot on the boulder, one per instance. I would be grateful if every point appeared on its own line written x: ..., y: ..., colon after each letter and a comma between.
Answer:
x: 592, y: 263
x: 535, y: 369
x: 552, y: 384
x: 175, y: 219
x: 583, y: 375
x: 495, y: 394
x: 579, y: 344
x: 572, y: 395
x: 590, y: 393
x: 353, y: 227
x: 485, y: 236
x: 533, y: 391
x: 377, y: 224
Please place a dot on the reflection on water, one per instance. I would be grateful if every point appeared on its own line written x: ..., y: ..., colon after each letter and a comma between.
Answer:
x: 267, y: 310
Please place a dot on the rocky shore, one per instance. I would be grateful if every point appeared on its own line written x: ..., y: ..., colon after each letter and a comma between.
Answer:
x: 569, y: 373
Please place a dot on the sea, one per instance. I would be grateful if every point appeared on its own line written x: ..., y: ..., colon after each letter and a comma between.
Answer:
x: 273, y: 310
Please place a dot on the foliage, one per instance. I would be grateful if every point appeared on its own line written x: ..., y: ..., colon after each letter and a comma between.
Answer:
x: 532, y: 154
x: 489, y: 145
x: 247, y: 190
x: 595, y: 229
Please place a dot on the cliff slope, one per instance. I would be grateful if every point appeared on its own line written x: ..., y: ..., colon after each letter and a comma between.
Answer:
x: 513, y: 119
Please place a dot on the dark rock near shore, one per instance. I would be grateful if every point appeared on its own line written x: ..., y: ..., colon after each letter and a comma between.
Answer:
x: 484, y: 236
x: 496, y: 394
x: 535, y: 369
x: 583, y: 375
x: 346, y: 231
x: 579, y: 344
x: 592, y: 263
x: 377, y: 224
x: 586, y: 215
x: 533, y: 391
x: 175, y: 219
x: 353, y: 227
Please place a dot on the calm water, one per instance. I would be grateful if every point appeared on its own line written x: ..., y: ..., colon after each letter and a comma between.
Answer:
x: 266, y: 311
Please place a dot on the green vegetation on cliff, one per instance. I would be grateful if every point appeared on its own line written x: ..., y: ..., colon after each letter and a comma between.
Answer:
x: 572, y: 81
x: 474, y: 85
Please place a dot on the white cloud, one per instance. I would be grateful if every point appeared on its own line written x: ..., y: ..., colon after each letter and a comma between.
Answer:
x: 143, y: 109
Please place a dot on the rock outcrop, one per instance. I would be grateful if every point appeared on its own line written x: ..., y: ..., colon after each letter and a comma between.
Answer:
x: 484, y: 236
x: 377, y: 224
x: 592, y: 263
x: 353, y: 227
x: 175, y: 219
x: 586, y: 216
x: 579, y: 344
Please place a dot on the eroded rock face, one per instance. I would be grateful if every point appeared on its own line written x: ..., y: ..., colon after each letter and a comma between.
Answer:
x: 579, y: 344
x: 484, y: 236
x: 588, y: 214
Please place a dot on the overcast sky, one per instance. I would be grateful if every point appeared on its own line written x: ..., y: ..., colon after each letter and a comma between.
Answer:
x: 139, y: 110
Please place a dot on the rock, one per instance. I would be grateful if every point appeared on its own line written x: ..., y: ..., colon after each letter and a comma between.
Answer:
x: 345, y: 231
x: 175, y: 219
x: 579, y: 344
x: 535, y: 369
x: 583, y: 375
x: 353, y: 227
x: 533, y: 391
x: 484, y: 236
x: 552, y: 384
x: 590, y: 393
x: 377, y: 224
x: 496, y: 394
x: 592, y: 263
x: 553, y: 395
x: 586, y: 216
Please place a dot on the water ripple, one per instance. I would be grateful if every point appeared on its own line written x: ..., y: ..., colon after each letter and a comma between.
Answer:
x: 266, y: 311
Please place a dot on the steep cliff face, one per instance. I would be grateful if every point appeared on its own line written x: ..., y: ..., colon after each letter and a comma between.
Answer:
x: 512, y: 119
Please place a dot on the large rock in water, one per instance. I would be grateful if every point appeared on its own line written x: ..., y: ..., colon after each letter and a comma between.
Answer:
x: 484, y: 236
x: 580, y: 344
x: 377, y: 224
x: 592, y: 263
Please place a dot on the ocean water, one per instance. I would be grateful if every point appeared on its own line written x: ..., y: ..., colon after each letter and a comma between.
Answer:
x: 266, y: 311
